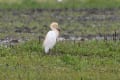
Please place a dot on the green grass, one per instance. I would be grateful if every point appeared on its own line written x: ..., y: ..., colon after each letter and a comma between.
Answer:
x: 89, y: 60
x: 54, y: 4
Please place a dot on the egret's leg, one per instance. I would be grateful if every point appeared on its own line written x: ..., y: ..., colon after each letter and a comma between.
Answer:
x: 50, y: 51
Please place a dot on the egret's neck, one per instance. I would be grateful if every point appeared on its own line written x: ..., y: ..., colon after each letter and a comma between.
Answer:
x: 56, y: 31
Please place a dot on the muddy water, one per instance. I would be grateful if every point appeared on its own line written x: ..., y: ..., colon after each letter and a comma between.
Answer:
x: 76, y: 24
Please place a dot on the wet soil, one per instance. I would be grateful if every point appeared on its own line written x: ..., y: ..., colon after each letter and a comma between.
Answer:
x: 76, y: 24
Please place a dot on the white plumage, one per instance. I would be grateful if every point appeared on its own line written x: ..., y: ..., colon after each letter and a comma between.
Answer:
x: 51, y: 37
x: 59, y: 0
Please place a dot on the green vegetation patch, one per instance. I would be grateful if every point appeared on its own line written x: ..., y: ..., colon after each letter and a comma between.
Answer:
x: 56, y: 4
x: 96, y: 60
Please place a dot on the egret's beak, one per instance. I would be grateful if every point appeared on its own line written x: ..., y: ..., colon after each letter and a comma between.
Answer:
x: 58, y: 29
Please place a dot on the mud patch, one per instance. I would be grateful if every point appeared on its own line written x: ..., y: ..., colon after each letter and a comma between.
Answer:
x: 76, y: 24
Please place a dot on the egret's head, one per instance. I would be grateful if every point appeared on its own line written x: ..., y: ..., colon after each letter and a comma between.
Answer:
x: 54, y: 25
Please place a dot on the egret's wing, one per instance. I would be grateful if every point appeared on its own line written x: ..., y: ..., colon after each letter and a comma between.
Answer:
x: 50, y: 39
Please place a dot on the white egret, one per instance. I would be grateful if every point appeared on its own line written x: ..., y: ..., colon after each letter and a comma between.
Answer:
x: 59, y: 0
x: 51, y: 37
